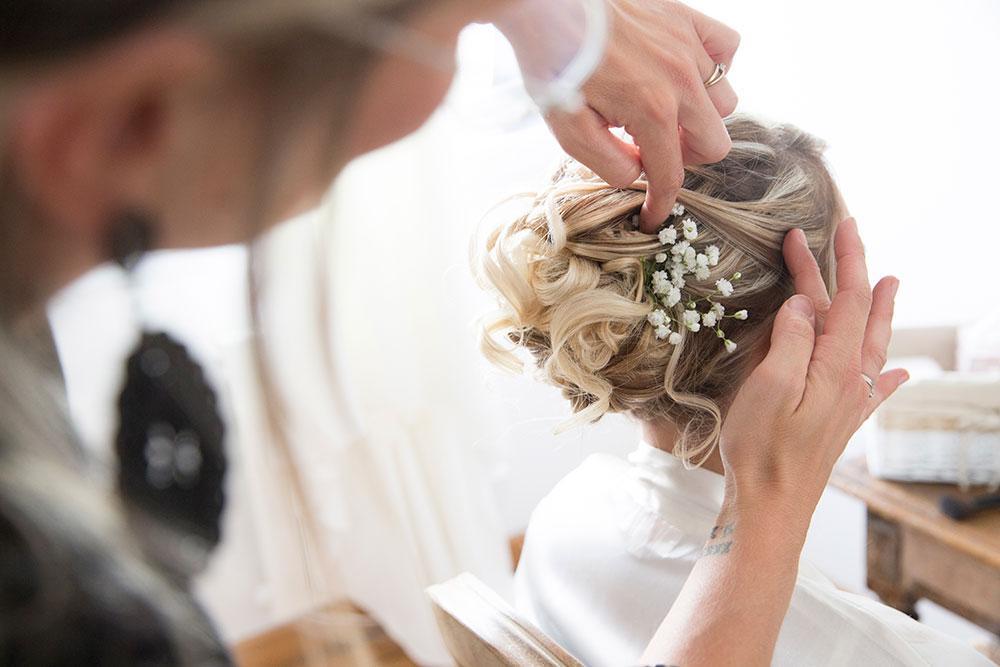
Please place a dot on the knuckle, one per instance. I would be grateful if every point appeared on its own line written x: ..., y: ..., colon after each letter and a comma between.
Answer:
x: 675, y: 179
x: 727, y: 106
x: 684, y: 74
x: 623, y: 180
x: 621, y: 176
x: 735, y: 39
x: 876, y: 356
x: 823, y: 370
x: 661, y: 111
x: 719, y: 147
x: 798, y: 328
x: 861, y: 297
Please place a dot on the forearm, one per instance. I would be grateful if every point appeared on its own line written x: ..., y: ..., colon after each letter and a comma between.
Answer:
x: 732, y: 605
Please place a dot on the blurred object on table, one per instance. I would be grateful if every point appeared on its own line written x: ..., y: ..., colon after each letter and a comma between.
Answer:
x: 962, y: 508
x: 944, y: 425
x: 940, y: 429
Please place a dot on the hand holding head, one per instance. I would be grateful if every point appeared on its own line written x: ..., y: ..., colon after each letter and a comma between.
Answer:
x: 797, y: 410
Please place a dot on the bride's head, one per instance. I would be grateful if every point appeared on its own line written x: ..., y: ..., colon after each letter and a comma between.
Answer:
x: 569, y: 276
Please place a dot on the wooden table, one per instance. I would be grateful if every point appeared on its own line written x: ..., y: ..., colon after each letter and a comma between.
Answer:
x: 915, y: 551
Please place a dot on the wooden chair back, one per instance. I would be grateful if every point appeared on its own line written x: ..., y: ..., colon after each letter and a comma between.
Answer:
x: 481, y: 630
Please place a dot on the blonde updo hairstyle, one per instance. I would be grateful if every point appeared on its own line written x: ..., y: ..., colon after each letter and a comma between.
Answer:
x: 569, y: 280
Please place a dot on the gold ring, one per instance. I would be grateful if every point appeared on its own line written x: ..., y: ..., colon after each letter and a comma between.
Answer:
x: 870, y: 383
x: 718, y: 75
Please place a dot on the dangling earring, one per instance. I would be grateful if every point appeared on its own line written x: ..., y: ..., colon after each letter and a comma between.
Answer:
x: 172, y: 462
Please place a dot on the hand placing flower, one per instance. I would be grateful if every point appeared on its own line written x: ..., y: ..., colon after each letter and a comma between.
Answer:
x: 651, y: 82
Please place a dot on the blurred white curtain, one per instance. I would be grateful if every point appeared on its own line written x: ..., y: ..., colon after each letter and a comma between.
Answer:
x: 410, y: 498
x: 407, y: 499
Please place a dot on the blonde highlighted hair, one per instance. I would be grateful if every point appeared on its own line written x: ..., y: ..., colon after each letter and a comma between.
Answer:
x: 569, y: 280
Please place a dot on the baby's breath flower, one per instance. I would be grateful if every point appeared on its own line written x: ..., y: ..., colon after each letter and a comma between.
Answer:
x: 724, y: 286
x: 657, y: 318
x: 713, y: 255
x: 668, y: 280
x: 692, y: 320
x: 661, y: 282
x: 690, y: 259
x: 690, y: 229
x: 668, y: 235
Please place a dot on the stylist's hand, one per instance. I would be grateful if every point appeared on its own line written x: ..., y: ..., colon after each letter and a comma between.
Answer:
x: 792, y: 418
x: 651, y: 82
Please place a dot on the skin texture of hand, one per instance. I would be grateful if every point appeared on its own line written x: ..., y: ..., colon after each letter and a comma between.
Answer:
x: 651, y: 83
x: 782, y: 435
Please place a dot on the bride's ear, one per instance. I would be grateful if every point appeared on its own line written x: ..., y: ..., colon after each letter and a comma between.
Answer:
x: 91, y: 137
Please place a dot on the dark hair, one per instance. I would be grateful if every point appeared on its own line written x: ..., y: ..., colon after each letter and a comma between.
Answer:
x: 30, y: 29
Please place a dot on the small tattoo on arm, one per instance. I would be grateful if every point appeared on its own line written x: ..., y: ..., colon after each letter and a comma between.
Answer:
x: 719, y: 548
x: 722, y: 531
x: 716, y: 549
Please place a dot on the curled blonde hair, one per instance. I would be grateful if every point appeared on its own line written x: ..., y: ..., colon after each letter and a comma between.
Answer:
x: 568, y: 275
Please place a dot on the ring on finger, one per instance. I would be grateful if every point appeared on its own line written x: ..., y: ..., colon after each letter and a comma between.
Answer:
x: 871, y: 384
x: 717, y: 75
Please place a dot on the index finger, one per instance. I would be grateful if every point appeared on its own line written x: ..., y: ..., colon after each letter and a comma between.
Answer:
x: 849, y: 310
x: 660, y: 151
x: 805, y: 273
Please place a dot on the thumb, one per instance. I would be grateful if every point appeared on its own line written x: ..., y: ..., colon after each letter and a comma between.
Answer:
x: 586, y: 137
x: 792, y: 340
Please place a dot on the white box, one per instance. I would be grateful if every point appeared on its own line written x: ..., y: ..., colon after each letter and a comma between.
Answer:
x: 940, y: 429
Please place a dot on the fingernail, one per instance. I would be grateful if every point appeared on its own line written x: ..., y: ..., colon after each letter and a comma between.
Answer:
x: 904, y: 378
x: 802, y: 237
x: 895, y: 287
x: 802, y: 305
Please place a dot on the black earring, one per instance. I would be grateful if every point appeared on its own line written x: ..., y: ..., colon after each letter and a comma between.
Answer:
x: 171, y: 456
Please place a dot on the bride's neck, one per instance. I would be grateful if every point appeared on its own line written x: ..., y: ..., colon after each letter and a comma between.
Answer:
x: 663, y: 435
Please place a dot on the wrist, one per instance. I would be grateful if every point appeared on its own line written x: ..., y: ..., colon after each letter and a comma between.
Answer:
x: 776, y: 519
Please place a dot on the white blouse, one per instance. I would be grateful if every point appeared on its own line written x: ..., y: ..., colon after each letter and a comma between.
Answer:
x: 607, y: 551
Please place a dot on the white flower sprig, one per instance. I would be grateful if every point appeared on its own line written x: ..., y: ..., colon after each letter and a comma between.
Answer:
x: 666, y: 274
